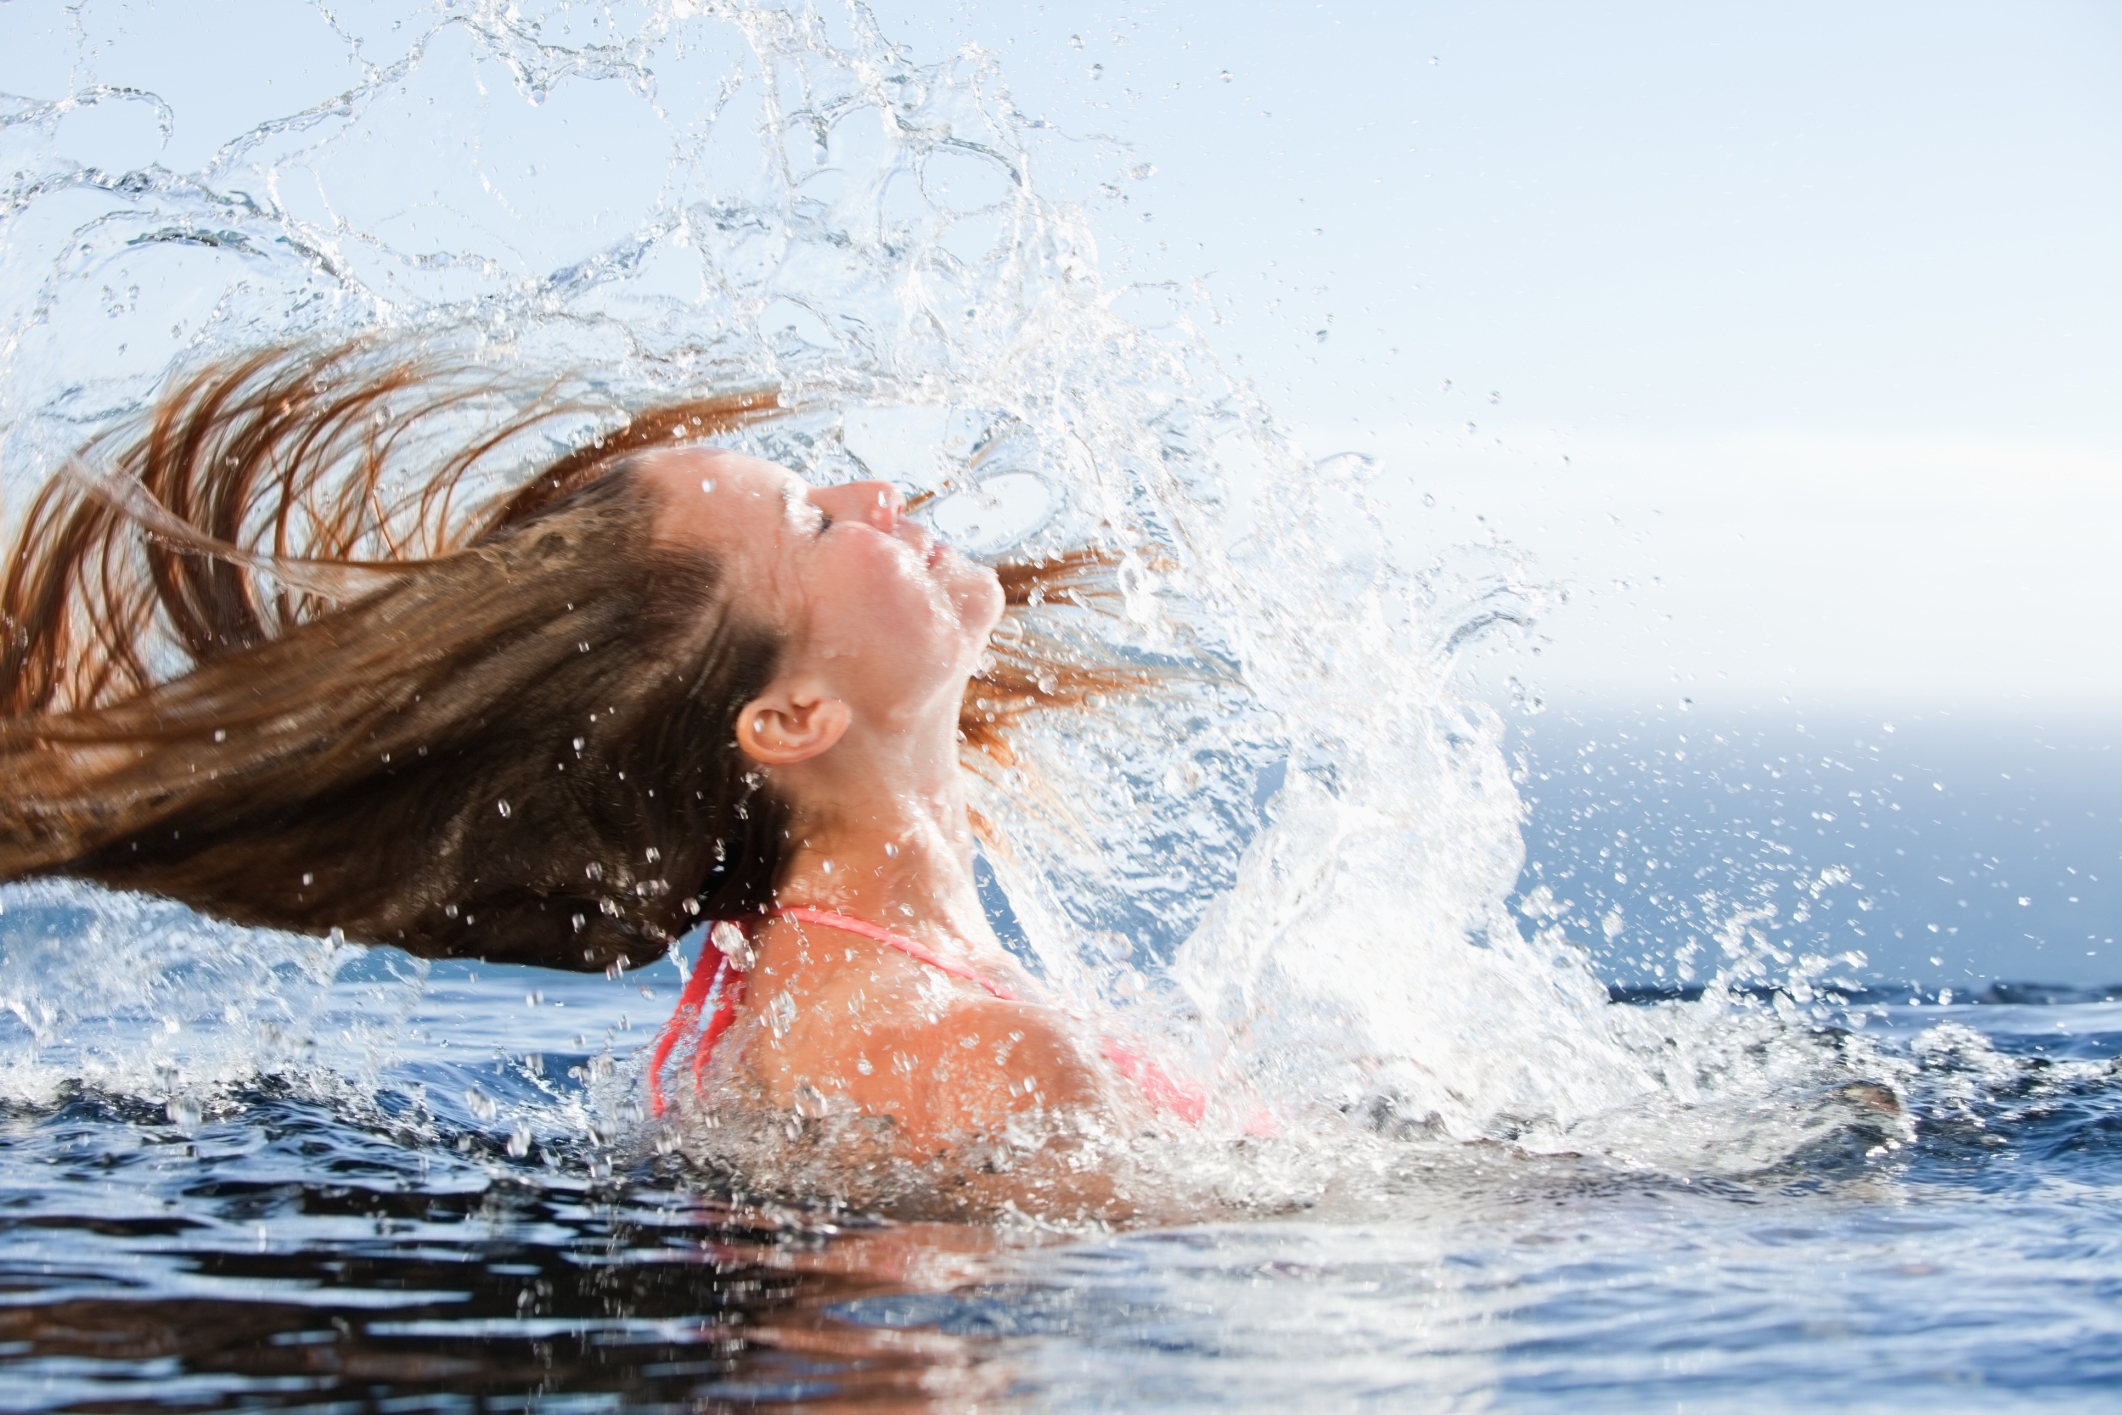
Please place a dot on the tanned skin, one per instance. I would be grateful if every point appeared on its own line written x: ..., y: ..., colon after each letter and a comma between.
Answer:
x: 858, y: 732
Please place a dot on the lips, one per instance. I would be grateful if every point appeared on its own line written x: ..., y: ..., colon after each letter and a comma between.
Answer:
x: 932, y: 548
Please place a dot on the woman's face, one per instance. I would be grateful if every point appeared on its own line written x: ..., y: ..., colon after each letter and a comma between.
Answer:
x: 865, y: 598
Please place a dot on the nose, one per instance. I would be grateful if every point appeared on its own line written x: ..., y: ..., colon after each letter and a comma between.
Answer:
x: 874, y: 503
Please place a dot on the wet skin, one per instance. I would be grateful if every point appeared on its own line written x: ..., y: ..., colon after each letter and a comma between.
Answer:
x: 858, y: 732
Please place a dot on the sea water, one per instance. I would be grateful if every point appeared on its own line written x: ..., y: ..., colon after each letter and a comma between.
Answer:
x: 1549, y: 1130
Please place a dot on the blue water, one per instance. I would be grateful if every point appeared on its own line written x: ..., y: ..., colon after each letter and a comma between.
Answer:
x: 359, y: 1235
x: 287, y: 1252
x: 1975, y: 847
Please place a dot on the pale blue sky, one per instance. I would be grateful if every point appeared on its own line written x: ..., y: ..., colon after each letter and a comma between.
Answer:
x: 1821, y: 301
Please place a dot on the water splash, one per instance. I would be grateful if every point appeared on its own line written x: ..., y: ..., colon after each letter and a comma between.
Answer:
x: 1292, y: 864
x: 138, y: 995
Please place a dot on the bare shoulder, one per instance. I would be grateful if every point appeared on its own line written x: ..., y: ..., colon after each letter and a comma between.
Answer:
x: 978, y: 1066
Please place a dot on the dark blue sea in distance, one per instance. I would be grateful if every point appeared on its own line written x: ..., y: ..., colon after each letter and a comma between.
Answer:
x: 1983, y: 853
x: 320, y: 1246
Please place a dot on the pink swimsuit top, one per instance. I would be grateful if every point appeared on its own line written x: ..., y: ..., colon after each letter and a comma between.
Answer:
x: 724, y: 983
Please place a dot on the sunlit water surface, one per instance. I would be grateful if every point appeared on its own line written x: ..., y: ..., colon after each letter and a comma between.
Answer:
x: 331, y: 1239
x: 246, y: 1169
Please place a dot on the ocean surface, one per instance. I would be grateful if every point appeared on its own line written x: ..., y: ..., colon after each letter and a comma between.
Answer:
x: 292, y: 1250
x: 415, y: 1205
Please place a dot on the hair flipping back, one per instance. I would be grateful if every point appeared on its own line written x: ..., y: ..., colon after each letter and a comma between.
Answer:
x: 238, y: 671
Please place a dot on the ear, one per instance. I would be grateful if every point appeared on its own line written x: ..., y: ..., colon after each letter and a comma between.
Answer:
x: 781, y: 727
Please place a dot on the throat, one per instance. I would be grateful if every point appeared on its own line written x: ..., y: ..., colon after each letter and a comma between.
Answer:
x: 915, y: 880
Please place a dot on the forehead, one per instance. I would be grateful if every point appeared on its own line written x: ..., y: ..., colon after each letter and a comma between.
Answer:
x: 719, y: 500
x: 742, y: 511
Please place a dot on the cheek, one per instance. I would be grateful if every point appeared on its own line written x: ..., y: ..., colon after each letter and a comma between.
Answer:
x: 888, y: 598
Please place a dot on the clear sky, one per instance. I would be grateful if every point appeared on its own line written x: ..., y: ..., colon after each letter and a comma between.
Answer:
x: 1821, y: 302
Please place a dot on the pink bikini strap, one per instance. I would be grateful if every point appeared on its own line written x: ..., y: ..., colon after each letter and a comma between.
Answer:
x: 847, y: 923
x: 715, y: 976
x: 725, y: 983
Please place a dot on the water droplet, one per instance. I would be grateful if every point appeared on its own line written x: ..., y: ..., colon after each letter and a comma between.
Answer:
x: 308, y: 879
x: 707, y: 484
x: 184, y: 1112
x: 1143, y: 172
x: 482, y: 1105
x: 730, y: 942
x: 828, y: 866
x: 1075, y: 41
x: 519, y: 1140
x: 502, y: 806
x: 862, y: 1065
x: 890, y: 849
x: 1225, y: 76
x: 220, y: 734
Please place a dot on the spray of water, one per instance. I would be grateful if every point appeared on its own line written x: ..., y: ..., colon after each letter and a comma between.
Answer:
x: 1287, y: 870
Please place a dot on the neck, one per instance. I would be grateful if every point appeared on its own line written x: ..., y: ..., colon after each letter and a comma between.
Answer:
x: 879, y: 831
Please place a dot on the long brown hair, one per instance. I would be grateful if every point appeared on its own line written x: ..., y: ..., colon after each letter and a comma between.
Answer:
x: 286, y: 650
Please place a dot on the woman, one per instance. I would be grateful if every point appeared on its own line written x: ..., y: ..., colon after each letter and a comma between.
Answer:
x: 253, y: 663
